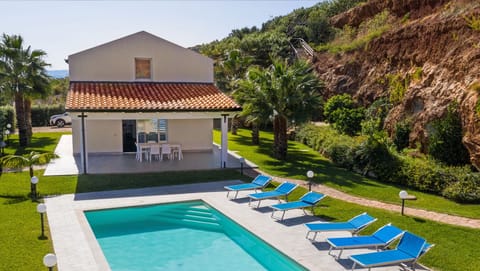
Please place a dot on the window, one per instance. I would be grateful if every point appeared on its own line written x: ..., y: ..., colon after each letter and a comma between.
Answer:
x: 143, y: 69
x: 152, y: 130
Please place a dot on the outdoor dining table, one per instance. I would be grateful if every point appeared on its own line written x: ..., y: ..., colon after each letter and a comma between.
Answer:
x: 146, y: 146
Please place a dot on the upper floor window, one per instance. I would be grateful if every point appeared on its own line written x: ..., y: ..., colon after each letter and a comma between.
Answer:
x: 143, y: 69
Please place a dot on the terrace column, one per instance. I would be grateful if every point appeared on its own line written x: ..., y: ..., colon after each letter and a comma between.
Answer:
x: 84, y: 151
x: 224, y: 143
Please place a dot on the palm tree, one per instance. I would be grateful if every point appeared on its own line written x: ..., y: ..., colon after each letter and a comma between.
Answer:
x: 288, y: 93
x: 256, y: 106
x: 22, y: 77
x: 28, y: 160
x: 233, y: 67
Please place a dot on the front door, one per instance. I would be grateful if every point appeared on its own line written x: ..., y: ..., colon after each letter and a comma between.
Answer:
x: 129, y: 130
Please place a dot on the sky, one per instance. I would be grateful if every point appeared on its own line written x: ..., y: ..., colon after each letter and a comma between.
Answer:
x: 62, y: 28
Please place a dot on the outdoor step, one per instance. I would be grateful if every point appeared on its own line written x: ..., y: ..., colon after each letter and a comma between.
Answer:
x: 191, y: 212
x: 191, y: 217
x: 193, y: 223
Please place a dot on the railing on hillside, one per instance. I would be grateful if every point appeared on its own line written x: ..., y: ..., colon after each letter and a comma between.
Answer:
x: 304, y: 46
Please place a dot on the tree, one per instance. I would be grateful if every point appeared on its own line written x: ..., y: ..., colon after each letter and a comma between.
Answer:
x: 256, y: 107
x: 286, y: 92
x: 28, y: 160
x: 23, y: 77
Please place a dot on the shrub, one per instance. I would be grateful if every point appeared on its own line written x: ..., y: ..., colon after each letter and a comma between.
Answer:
x: 341, y: 111
x: 375, y: 116
x: 41, y: 114
x: 445, y: 141
x: 349, y: 121
x: 335, y: 104
x: 466, y: 190
x: 401, y: 136
x: 397, y: 87
x: 473, y: 22
x: 423, y: 174
x: 7, y: 115
x: 372, y: 157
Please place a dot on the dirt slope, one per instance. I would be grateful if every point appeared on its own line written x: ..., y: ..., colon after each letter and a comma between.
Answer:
x: 435, y: 39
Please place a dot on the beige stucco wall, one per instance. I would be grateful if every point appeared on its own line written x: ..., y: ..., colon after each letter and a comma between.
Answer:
x: 106, y: 135
x: 194, y: 135
x: 115, y: 61
x: 102, y: 136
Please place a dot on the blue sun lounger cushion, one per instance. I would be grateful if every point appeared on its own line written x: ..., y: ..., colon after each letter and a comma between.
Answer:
x: 382, y: 238
x: 409, y: 250
x: 260, y: 182
x: 354, y: 225
x: 310, y: 199
x: 282, y: 190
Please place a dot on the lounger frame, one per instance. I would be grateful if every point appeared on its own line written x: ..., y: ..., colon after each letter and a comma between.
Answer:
x: 307, y: 205
x: 377, y: 246
x: 354, y: 231
x: 273, y: 194
x: 253, y: 186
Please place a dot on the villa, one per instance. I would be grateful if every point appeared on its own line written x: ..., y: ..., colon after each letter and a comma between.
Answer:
x: 140, y: 88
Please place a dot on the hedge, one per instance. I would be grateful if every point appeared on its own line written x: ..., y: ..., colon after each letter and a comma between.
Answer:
x: 41, y: 114
x: 378, y: 159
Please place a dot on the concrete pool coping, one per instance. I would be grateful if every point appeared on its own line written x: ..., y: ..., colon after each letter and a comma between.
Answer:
x: 77, y: 249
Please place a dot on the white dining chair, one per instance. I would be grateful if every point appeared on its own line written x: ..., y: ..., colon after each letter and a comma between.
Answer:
x: 166, y: 150
x: 155, y: 152
x: 140, y: 152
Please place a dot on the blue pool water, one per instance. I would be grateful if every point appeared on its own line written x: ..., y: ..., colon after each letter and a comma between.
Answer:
x: 181, y: 236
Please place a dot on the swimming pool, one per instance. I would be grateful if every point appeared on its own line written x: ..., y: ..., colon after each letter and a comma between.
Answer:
x: 181, y: 236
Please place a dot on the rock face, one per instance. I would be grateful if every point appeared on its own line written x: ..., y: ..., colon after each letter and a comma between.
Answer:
x: 436, y: 40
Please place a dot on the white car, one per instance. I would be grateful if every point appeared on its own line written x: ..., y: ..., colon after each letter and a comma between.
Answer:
x: 60, y: 120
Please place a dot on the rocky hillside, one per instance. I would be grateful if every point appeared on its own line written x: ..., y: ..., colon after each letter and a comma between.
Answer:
x: 432, y: 48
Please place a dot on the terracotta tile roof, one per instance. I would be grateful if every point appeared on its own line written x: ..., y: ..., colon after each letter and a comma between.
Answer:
x: 147, y: 96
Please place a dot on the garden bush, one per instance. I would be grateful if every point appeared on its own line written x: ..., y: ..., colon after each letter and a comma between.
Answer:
x: 344, y: 114
x: 466, y: 190
x: 7, y: 116
x: 375, y: 158
x: 445, y: 140
x: 401, y: 136
x: 41, y: 114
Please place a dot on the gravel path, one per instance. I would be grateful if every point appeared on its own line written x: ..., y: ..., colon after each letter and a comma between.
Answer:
x: 430, y: 215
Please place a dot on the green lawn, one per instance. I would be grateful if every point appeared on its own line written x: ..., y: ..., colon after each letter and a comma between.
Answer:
x: 301, y: 158
x: 22, y: 249
x: 41, y: 142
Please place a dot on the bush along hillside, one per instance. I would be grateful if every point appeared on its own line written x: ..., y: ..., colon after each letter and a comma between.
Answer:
x: 377, y: 157
x: 443, y: 170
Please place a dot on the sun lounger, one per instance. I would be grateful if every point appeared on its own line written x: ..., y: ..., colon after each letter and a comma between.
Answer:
x: 409, y: 250
x: 282, y: 190
x: 353, y: 226
x: 382, y: 238
x: 260, y: 182
x: 310, y: 199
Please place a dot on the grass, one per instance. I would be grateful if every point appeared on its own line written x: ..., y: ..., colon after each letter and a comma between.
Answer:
x: 302, y: 158
x: 453, y: 245
x: 22, y: 249
x: 41, y: 142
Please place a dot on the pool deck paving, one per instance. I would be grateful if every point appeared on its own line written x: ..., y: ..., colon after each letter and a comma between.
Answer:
x: 77, y: 249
